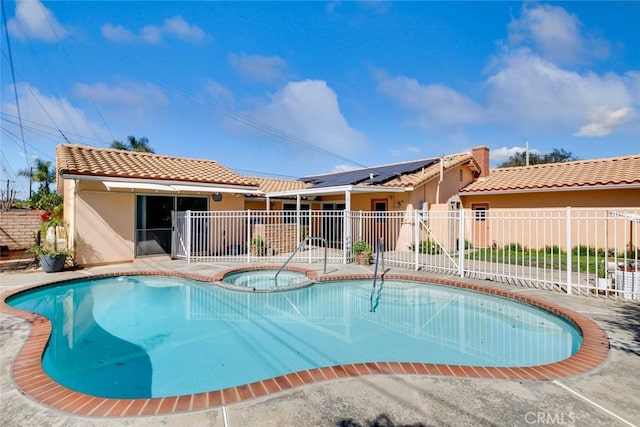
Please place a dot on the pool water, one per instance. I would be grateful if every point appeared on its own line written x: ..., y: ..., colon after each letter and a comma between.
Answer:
x: 150, y: 336
x: 265, y: 278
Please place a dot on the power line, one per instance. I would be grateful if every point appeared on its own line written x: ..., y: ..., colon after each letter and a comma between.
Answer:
x: 70, y: 64
x: 13, y: 75
x: 229, y: 113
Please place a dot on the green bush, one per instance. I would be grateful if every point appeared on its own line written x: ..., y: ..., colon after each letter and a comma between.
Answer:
x: 513, y: 247
x: 467, y: 244
x: 360, y: 246
x: 427, y: 247
x: 554, y: 249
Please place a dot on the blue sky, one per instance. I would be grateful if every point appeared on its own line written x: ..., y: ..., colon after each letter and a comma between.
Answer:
x: 300, y: 88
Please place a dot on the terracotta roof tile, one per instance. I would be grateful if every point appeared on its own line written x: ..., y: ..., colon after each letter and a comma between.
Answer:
x: 270, y: 185
x: 419, y: 177
x: 585, y: 173
x: 111, y: 163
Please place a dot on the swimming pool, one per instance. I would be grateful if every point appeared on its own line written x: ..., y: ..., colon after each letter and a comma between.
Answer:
x: 150, y: 336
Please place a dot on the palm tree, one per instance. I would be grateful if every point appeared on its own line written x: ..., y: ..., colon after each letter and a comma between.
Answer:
x: 133, y: 144
x: 42, y: 173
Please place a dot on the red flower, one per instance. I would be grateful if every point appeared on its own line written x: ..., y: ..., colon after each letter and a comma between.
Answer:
x: 45, y: 216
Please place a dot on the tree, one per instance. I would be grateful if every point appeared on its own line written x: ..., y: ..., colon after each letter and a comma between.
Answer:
x: 555, y: 156
x: 133, y: 144
x: 42, y: 173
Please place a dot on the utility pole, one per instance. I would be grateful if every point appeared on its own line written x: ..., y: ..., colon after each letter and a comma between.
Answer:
x: 526, y: 150
x: 30, y: 180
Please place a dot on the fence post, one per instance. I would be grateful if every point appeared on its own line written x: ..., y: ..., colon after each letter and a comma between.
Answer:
x: 461, y: 242
x: 416, y: 238
x: 173, y: 234
x: 248, y: 235
x: 188, y: 237
x: 568, y: 245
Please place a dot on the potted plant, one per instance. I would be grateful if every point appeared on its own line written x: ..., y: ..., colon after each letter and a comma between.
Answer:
x: 362, y: 251
x: 257, y: 246
x: 51, y: 251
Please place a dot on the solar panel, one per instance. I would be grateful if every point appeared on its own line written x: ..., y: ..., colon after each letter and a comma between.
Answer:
x: 373, y: 175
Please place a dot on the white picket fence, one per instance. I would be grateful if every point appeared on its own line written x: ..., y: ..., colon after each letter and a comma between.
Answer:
x: 582, y: 251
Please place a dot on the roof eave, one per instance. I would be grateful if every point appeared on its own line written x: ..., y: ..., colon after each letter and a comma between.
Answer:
x: 326, y: 191
x: 193, y: 186
x: 549, y: 189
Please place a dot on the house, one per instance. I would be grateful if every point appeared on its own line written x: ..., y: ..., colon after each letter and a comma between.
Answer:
x: 119, y: 204
x: 609, y: 182
x: 612, y: 185
x: 391, y: 187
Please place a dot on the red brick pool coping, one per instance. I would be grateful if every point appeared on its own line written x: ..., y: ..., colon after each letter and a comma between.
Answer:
x: 31, y: 380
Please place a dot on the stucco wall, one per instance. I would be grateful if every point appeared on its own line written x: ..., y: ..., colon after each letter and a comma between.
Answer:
x: 105, y: 225
x: 18, y: 229
x: 558, y: 199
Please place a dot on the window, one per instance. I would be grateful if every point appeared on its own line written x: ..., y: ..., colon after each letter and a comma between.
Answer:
x: 380, y: 206
x: 480, y: 213
x: 289, y: 217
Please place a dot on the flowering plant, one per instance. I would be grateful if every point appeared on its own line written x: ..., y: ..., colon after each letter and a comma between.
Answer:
x: 52, y: 228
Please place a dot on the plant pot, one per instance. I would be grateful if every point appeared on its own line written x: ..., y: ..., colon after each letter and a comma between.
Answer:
x: 52, y: 263
x: 363, y: 258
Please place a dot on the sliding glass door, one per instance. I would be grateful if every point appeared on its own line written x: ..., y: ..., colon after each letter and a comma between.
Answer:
x: 153, y: 221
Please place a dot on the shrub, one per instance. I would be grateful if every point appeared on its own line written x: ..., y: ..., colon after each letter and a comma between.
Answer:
x: 554, y: 249
x: 360, y: 246
x: 513, y: 247
x: 467, y: 244
x: 427, y: 247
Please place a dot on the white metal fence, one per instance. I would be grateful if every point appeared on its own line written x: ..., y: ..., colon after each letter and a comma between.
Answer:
x: 585, y: 251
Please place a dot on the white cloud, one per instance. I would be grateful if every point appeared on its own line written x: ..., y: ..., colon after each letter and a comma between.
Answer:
x: 343, y: 168
x: 117, y: 33
x: 34, y: 21
x: 555, y: 35
x: 402, y: 151
x: 526, y: 91
x: 219, y: 93
x: 151, y: 34
x: 499, y: 155
x: 42, y: 114
x: 604, y: 121
x: 260, y: 68
x: 180, y: 28
x: 309, y: 111
x: 530, y: 90
x: 126, y: 94
x: 435, y: 105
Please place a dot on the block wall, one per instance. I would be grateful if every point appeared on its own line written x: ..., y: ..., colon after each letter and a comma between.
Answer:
x: 18, y: 229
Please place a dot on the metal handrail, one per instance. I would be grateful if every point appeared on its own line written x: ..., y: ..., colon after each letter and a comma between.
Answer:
x: 275, y: 279
x: 379, y: 255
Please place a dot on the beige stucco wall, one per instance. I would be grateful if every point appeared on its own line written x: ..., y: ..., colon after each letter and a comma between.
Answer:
x: 584, y: 198
x: 104, y: 224
x: 539, y: 228
x: 502, y: 227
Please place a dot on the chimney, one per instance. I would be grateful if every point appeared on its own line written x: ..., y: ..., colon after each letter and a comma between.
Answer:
x: 481, y: 156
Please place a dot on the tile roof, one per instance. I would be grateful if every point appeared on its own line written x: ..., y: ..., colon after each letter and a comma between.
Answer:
x: 614, y: 171
x: 111, y: 163
x: 407, y: 178
x: 270, y: 185
x: 419, y: 177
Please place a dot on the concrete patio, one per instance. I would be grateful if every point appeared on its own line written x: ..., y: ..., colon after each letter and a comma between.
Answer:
x: 606, y: 396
